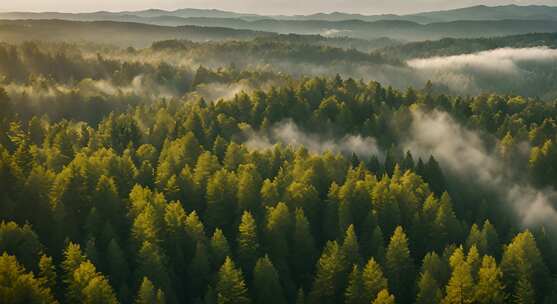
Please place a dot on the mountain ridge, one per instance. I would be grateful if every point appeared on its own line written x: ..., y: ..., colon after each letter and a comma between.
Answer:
x: 478, y: 12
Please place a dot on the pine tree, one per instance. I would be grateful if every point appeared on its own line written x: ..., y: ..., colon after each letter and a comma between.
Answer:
x: 151, y: 264
x: 490, y: 288
x: 19, y: 286
x: 199, y: 271
x: 249, y: 185
x: 219, y: 248
x: 86, y: 285
x: 303, y: 252
x: 476, y: 238
x: 447, y: 227
x: 428, y: 290
x: 266, y: 284
x: 354, y: 293
x: 524, y: 292
x: 47, y: 272
x: 460, y: 288
x: 384, y: 298
x: 473, y: 259
x: 437, y: 267
x: 73, y: 257
x: 118, y: 267
x: 248, y: 243
x: 350, y: 248
x: 373, y: 280
x: 493, y: 246
x: 231, y: 288
x: 278, y: 228
x: 522, y: 263
x: 221, y: 190
x: 399, y: 266
x: 329, y: 276
x: 147, y: 293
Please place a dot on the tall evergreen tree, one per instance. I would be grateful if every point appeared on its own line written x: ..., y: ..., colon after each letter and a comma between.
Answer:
x: 384, y: 298
x: 266, y: 284
x: 400, y: 266
x: 428, y: 290
x: 373, y: 280
x: 248, y: 242
x: 490, y: 288
x: 231, y: 288
x: 460, y: 288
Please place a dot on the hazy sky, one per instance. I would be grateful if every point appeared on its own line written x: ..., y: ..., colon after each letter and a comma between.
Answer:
x: 259, y: 6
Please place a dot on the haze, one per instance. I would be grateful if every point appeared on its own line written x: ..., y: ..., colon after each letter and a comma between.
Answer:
x: 261, y: 7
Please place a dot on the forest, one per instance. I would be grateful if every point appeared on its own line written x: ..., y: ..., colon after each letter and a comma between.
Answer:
x: 271, y: 168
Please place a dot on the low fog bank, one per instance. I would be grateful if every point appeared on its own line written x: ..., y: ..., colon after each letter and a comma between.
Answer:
x: 525, y: 71
x: 288, y: 133
x: 515, y: 71
x: 463, y: 153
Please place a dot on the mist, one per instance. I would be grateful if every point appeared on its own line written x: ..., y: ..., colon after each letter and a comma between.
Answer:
x: 504, y: 69
x: 288, y: 133
x: 463, y: 153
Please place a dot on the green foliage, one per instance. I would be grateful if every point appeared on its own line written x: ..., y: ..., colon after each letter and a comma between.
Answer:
x: 19, y: 286
x: 151, y: 203
x: 384, y: 298
x: 399, y: 265
x: 231, y: 287
x: 266, y: 283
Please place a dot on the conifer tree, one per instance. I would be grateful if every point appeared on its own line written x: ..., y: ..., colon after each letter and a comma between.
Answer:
x: 248, y: 242
x: 19, y: 286
x: 399, y: 266
x: 522, y: 263
x: 373, y: 280
x: 460, y: 288
x: 354, y: 293
x: 329, y: 275
x: 249, y: 185
x: 86, y: 285
x: 428, y: 290
x: 490, y: 287
x: 350, y: 248
x: 384, y: 298
x: 278, y: 228
x: 199, y: 271
x: 266, y: 284
x: 303, y: 252
x: 231, y: 288
x: 47, y: 272
x: 147, y: 293
x: 219, y: 248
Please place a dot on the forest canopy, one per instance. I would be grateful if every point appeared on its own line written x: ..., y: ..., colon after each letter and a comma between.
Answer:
x: 275, y: 170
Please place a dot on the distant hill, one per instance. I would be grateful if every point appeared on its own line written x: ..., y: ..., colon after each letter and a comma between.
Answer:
x: 116, y: 33
x: 480, y: 12
x: 452, y: 46
x: 201, y: 29
x: 472, y: 22
x: 395, y: 29
x: 142, y: 35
